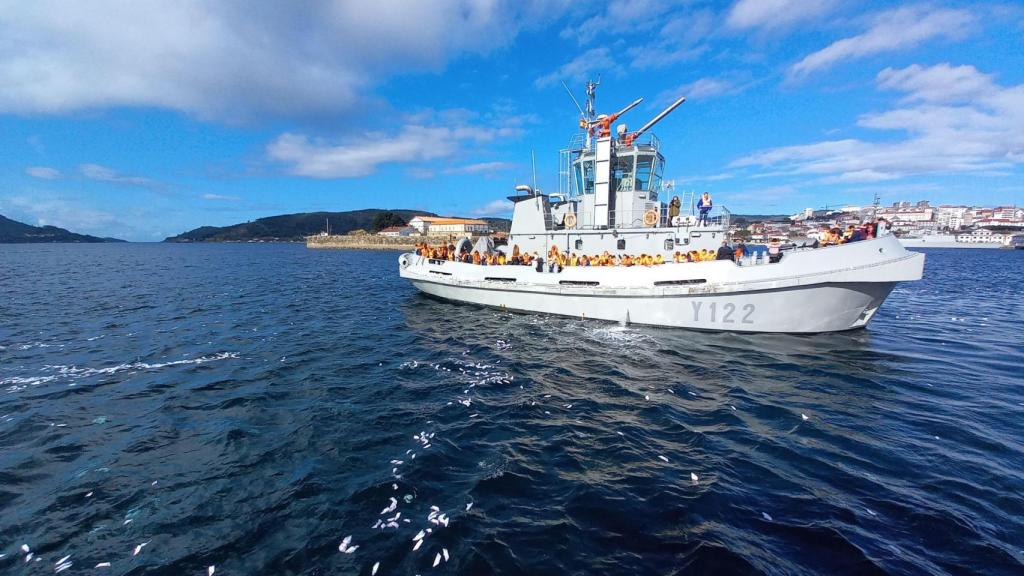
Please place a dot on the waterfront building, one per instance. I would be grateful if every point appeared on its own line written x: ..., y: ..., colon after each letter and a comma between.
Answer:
x: 984, y: 236
x: 426, y: 225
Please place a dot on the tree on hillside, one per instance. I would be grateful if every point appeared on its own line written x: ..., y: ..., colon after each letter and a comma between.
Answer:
x: 386, y: 220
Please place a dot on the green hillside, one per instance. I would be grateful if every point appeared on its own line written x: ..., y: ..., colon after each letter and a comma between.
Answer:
x: 14, y: 232
x: 295, y: 227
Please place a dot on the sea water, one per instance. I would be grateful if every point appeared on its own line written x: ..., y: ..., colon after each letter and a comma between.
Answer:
x: 169, y: 409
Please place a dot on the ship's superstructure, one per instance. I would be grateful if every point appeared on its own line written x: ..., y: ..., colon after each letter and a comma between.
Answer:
x: 612, y: 195
x: 613, y: 201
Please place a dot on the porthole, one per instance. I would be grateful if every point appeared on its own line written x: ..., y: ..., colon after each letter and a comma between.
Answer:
x: 579, y: 243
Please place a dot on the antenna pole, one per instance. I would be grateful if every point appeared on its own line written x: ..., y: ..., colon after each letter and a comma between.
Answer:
x: 533, y: 160
x: 574, y: 101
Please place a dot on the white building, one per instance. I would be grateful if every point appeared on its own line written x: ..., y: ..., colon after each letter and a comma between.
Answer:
x: 953, y: 217
x: 984, y: 236
x: 917, y: 214
x: 437, y: 225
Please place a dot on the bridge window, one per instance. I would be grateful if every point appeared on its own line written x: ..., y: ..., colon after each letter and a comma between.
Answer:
x: 622, y: 173
x: 583, y: 174
x: 644, y: 172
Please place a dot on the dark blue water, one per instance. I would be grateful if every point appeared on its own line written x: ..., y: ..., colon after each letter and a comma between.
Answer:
x: 246, y: 407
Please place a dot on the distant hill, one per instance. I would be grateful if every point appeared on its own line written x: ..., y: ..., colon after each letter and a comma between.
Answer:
x: 748, y: 218
x: 295, y: 227
x: 499, y: 224
x: 14, y: 232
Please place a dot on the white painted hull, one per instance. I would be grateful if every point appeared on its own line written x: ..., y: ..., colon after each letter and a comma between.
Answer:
x: 808, y: 292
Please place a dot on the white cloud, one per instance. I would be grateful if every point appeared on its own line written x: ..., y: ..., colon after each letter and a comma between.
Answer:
x: 892, y: 30
x: 702, y: 88
x: 233, y: 61
x: 481, y: 167
x: 500, y: 207
x: 774, y: 14
x: 620, y: 16
x: 220, y: 197
x: 575, y: 71
x: 104, y: 174
x: 943, y: 132
x: 43, y: 172
x: 681, y: 38
x: 47, y: 210
x: 941, y: 83
x: 415, y: 142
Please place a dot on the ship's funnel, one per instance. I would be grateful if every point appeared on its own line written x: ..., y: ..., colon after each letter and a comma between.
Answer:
x: 658, y: 118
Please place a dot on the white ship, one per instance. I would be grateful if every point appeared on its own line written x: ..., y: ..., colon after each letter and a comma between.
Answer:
x: 609, y: 199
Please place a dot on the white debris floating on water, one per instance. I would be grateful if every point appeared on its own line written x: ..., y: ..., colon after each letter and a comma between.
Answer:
x: 139, y: 548
x: 695, y: 478
x: 103, y: 565
x: 210, y: 570
x: 766, y: 516
x: 376, y: 566
x: 804, y: 417
x: 345, y: 547
x: 663, y: 458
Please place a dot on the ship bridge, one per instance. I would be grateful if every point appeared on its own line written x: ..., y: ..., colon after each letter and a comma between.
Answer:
x: 634, y: 179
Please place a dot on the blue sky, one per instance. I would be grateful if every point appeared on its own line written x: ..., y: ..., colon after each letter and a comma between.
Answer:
x: 144, y: 119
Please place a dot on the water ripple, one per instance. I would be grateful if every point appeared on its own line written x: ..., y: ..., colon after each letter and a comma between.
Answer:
x: 250, y: 406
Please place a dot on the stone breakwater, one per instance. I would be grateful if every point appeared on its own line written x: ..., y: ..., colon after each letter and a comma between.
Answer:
x: 368, y: 242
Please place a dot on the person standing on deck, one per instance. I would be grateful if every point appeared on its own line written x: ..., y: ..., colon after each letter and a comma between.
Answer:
x: 673, y: 210
x: 704, y: 206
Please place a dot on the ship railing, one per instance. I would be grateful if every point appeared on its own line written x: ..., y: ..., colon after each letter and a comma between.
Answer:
x: 632, y: 219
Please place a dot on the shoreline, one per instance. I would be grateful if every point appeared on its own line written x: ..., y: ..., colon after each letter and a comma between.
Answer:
x: 370, y: 242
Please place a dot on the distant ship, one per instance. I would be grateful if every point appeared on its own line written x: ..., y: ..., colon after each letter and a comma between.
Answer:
x: 609, y: 201
x: 947, y: 241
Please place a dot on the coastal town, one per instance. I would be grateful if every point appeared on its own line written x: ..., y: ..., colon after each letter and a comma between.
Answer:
x: 916, y: 223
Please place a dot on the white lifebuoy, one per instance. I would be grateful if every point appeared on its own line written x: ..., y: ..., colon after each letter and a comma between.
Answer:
x: 650, y: 218
x: 569, y: 221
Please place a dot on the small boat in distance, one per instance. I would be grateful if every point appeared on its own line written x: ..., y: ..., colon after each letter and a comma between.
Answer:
x: 610, y: 203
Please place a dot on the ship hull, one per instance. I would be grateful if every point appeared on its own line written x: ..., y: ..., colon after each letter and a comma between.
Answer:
x: 826, y: 308
x: 826, y: 290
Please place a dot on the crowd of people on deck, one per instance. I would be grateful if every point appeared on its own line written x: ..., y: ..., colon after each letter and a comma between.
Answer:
x: 556, y: 260
x: 832, y: 236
